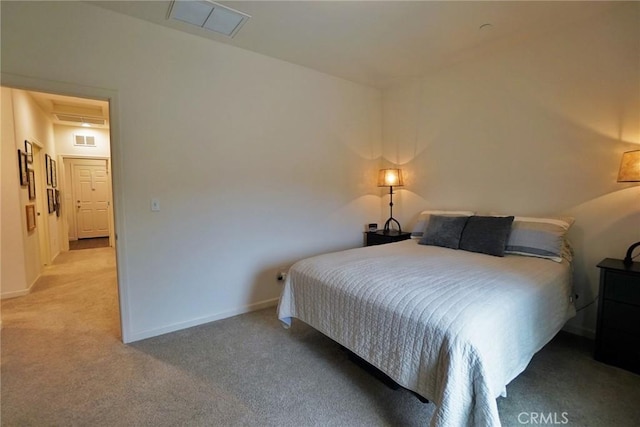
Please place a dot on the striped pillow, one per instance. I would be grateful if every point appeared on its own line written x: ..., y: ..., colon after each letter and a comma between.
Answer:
x: 538, y: 237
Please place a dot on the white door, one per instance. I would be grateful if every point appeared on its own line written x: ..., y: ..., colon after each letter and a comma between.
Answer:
x: 91, y: 196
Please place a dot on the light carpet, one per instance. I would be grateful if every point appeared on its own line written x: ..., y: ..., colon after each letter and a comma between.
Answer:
x: 63, y: 364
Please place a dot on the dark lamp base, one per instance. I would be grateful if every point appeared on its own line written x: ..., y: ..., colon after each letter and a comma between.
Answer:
x: 628, y: 260
x: 387, y: 225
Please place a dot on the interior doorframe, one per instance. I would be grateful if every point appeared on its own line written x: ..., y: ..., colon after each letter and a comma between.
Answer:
x: 41, y: 208
x: 42, y: 213
x: 119, y: 227
x: 64, y: 158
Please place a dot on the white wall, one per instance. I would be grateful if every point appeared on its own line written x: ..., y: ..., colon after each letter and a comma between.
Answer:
x: 23, y: 119
x: 537, y: 129
x: 32, y: 123
x: 13, y: 277
x: 65, y: 137
x: 256, y: 162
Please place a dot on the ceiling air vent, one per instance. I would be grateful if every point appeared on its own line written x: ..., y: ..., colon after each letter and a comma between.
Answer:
x: 208, y: 15
x: 80, y: 119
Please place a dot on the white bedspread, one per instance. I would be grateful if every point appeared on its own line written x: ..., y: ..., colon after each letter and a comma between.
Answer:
x: 455, y: 327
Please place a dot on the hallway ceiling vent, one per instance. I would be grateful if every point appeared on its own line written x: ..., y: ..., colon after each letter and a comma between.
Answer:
x: 80, y: 119
x: 208, y: 15
x: 84, y: 140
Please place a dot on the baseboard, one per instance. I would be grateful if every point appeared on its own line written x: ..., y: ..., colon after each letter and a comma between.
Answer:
x: 14, y: 294
x: 201, y: 320
x: 583, y: 332
x: 20, y: 293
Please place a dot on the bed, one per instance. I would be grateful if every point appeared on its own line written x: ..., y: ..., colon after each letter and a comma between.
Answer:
x: 453, y: 326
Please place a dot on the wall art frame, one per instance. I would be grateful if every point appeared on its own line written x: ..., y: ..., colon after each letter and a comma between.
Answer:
x: 28, y: 149
x: 51, y: 202
x: 54, y: 174
x: 47, y: 165
x: 32, y: 184
x: 22, y: 167
x: 31, y: 217
x: 57, y: 201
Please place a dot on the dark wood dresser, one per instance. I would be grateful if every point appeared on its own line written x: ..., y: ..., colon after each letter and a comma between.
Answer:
x: 618, y: 326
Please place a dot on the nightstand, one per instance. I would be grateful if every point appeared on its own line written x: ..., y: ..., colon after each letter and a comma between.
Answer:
x: 380, y: 237
x: 618, y: 327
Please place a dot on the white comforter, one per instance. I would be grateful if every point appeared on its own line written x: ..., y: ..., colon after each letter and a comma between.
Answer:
x: 455, y: 327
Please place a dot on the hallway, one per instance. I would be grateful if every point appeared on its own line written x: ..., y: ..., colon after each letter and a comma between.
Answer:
x: 54, y: 338
x: 77, y: 295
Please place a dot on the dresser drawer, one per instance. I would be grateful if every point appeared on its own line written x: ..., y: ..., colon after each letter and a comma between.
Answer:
x: 621, y: 317
x: 622, y: 287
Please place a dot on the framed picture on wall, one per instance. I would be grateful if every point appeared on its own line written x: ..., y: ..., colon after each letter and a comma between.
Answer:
x: 57, y: 200
x: 51, y: 200
x: 22, y: 166
x: 47, y: 165
x: 31, y: 217
x: 54, y: 174
x: 32, y: 185
x: 28, y: 149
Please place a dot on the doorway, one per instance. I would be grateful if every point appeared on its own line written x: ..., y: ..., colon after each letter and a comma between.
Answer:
x: 57, y: 144
x: 88, y: 202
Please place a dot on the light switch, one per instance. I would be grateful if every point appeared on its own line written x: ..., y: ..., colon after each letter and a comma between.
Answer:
x: 155, y: 205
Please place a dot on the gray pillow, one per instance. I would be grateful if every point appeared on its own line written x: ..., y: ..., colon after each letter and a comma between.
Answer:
x: 423, y: 220
x: 486, y: 234
x: 444, y: 231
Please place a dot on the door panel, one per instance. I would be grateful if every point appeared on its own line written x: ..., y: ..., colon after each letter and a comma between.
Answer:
x: 101, y: 200
x: 91, y: 192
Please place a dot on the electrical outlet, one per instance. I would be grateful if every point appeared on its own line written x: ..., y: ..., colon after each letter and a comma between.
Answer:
x: 281, y: 276
x: 155, y: 205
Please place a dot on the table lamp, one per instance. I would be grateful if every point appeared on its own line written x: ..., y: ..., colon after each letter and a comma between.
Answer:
x: 390, y: 178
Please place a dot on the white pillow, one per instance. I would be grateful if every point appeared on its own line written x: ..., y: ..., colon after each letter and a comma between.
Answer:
x: 423, y: 220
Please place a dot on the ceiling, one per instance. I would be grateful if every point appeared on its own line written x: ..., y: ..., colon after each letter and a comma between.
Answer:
x: 379, y: 42
x: 72, y: 111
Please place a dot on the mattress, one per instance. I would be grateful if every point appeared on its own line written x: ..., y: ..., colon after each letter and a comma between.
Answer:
x: 453, y: 326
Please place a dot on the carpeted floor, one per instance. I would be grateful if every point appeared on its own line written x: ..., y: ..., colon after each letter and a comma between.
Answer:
x: 63, y: 364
